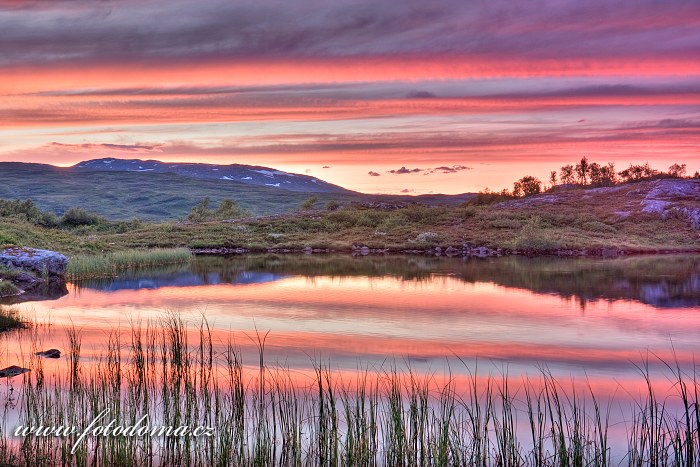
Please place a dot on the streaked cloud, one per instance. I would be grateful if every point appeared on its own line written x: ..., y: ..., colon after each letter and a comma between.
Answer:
x: 435, y: 88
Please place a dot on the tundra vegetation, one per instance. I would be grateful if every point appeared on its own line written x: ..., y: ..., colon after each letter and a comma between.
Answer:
x: 570, y: 215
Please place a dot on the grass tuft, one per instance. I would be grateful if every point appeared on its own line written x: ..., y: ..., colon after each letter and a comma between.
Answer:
x: 11, y: 319
x: 110, y: 264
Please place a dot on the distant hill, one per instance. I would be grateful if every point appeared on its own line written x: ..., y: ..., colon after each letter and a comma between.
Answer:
x: 160, y: 194
x: 246, y: 174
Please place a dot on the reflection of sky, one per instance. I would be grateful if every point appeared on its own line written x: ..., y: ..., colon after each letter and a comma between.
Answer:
x: 368, y: 319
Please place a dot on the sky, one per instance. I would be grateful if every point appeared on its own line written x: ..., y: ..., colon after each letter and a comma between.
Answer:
x: 446, y: 96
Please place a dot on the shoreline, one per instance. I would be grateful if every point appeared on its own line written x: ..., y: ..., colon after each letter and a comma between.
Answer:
x: 450, y: 251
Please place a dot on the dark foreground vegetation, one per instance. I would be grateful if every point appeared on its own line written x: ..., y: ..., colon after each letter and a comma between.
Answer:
x: 11, y: 319
x: 388, y: 416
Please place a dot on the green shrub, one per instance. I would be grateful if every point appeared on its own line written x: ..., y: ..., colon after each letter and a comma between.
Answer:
x: 77, y: 216
x: 534, y: 236
x: 542, y: 241
x: 332, y: 205
x: 596, y: 226
x: 485, y: 198
x: 309, y: 203
x: 505, y: 223
x: 369, y: 218
x: 7, y: 239
x: 8, y: 289
x: 392, y: 222
x: 423, y: 214
x: 342, y: 218
x: 26, y: 210
x: 227, y: 209
x: 428, y: 238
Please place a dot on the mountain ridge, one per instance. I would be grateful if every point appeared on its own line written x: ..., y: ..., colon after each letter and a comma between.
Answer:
x: 156, y: 196
x: 242, y: 173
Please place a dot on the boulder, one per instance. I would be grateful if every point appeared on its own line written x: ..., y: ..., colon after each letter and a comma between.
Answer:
x: 51, y: 353
x: 41, y: 262
x: 12, y: 371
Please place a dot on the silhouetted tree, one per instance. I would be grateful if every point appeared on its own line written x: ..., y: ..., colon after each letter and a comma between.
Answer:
x: 583, y: 171
x: 602, y: 175
x: 566, y: 175
x: 677, y: 170
x: 526, y: 186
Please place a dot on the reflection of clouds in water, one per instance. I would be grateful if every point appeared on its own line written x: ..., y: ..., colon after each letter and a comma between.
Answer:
x: 663, y: 282
x: 516, y: 310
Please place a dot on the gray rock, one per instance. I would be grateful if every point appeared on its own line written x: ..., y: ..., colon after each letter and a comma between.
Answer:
x: 38, y: 261
x: 655, y: 206
x: 452, y: 251
x: 673, y: 198
x: 609, y: 252
x: 12, y: 371
x: 693, y: 215
x: 24, y: 278
x: 51, y: 353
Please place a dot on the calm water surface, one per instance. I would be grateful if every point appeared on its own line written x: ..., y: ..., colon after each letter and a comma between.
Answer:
x: 577, y: 317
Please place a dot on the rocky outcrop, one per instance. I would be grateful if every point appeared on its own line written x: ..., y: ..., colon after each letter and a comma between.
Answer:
x: 674, y: 198
x: 36, y: 274
x: 44, y: 263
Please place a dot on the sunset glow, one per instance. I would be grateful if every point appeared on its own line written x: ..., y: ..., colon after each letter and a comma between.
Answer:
x: 339, y: 90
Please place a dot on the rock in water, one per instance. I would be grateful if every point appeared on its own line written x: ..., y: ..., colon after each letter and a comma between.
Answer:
x: 41, y: 262
x: 12, y: 371
x: 51, y: 353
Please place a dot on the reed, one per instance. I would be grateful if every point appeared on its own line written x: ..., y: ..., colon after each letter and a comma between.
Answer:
x: 11, y: 319
x: 174, y: 375
x: 110, y: 264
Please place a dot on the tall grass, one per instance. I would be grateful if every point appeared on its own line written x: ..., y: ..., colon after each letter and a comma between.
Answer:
x: 109, y: 264
x: 266, y: 418
x: 11, y: 319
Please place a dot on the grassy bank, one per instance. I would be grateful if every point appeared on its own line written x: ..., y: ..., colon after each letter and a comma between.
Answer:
x: 89, y: 266
x: 622, y: 217
x: 7, y: 288
x: 391, y: 418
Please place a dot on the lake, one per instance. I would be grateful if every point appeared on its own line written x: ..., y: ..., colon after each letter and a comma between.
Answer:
x: 587, y: 322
